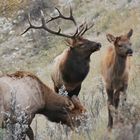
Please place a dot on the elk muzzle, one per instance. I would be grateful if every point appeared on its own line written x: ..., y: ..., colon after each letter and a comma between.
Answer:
x: 97, y: 47
x: 129, y: 52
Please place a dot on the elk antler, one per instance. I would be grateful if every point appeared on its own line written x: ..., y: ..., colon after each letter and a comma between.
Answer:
x: 63, y: 17
x: 79, y: 31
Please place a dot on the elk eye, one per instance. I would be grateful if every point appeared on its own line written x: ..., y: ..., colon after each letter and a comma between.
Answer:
x: 119, y: 46
x: 81, y: 45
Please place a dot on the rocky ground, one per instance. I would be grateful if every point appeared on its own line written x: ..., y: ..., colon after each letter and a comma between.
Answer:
x: 35, y: 51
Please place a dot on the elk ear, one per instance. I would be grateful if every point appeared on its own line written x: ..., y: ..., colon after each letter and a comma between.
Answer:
x: 69, y: 42
x: 129, y: 34
x: 110, y: 38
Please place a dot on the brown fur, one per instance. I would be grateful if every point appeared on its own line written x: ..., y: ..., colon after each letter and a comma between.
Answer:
x: 31, y: 92
x: 115, y: 69
x: 72, y: 66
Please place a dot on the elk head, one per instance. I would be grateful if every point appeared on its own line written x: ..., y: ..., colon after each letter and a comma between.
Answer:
x: 82, y: 46
x: 76, y: 41
x: 122, y: 43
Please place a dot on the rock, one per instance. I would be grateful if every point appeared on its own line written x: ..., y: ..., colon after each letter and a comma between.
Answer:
x: 5, y: 25
x: 137, y: 132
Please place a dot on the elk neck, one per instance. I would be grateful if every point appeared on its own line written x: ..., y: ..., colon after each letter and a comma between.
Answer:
x: 119, y: 64
x: 74, y: 66
x: 78, y: 56
x: 52, y: 101
x: 54, y: 105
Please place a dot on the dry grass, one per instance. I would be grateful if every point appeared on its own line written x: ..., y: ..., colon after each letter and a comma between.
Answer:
x: 9, y: 8
x: 115, y: 21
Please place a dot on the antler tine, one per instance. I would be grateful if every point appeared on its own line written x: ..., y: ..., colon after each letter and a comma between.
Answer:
x: 50, y: 31
x: 30, y: 26
x: 63, y: 17
x: 44, y: 26
x: 71, y: 16
x: 86, y: 29
x: 76, y: 32
x: 80, y: 29
x: 53, y: 18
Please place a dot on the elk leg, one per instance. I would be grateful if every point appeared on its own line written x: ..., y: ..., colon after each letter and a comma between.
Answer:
x: 117, y: 95
x: 30, y: 133
x: 116, y: 99
x: 110, y: 102
x: 123, y: 90
x: 74, y: 97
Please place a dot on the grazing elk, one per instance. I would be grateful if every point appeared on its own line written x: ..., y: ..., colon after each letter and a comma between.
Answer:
x: 72, y: 66
x: 34, y: 97
x: 115, y: 69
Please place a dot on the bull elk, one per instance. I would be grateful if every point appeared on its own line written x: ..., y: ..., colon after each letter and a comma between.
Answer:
x: 72, y: 66
x: 34, y: 97
x: 115, y: 70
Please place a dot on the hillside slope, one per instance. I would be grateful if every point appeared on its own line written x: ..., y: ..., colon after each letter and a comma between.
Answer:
x: 35, y: 51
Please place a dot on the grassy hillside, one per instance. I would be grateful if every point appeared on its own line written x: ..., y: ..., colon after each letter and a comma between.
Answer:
x: 35, y: 51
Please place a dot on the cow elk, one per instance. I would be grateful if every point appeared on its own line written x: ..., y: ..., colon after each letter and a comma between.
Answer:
x: 72, y: 66
x: 34, y: 97
x: 115, y: 70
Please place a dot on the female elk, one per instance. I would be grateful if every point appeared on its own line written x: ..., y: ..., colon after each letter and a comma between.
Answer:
x: 72, y: 66
x: 34, y: 97
x: 115, y: 69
